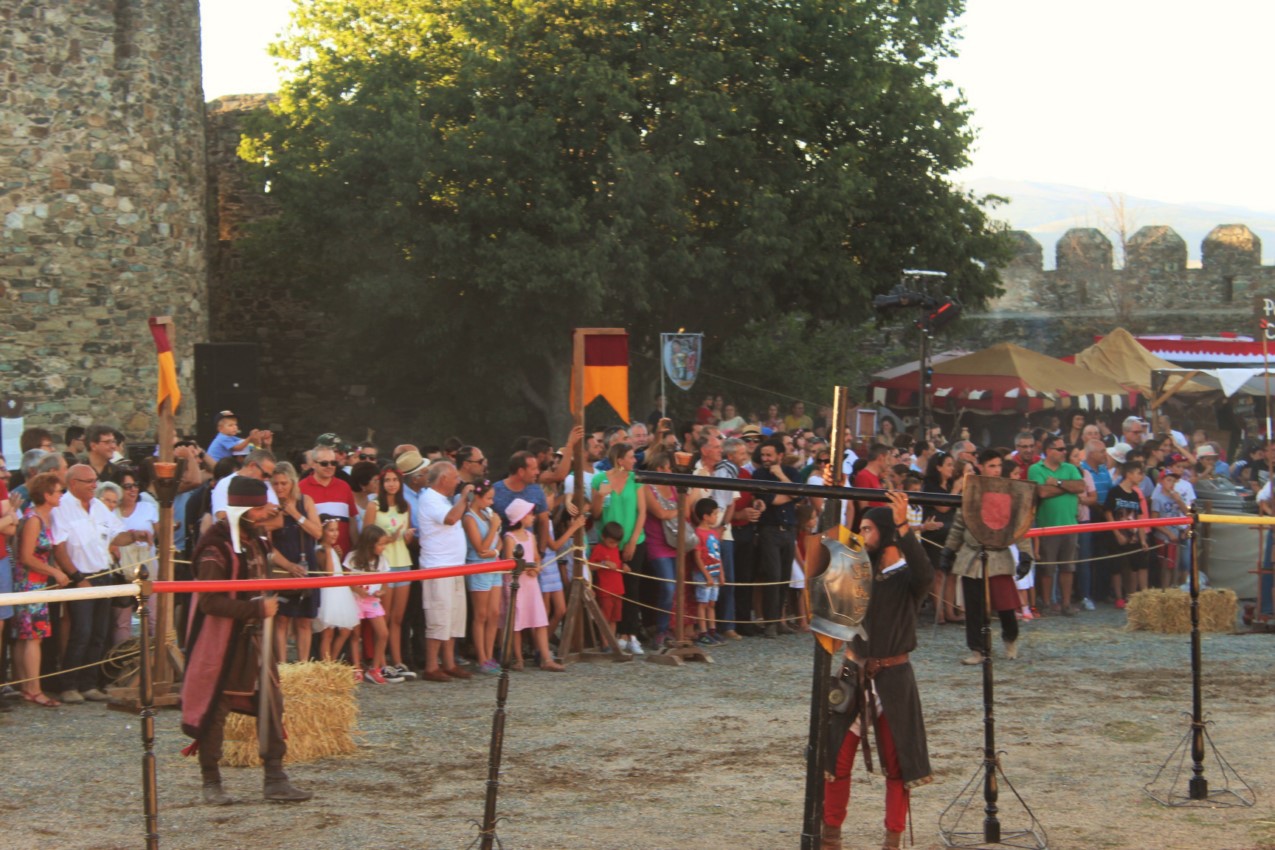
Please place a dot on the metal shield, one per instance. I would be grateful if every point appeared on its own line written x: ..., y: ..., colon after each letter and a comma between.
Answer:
x: 998, y: 511
x: 839, y: 595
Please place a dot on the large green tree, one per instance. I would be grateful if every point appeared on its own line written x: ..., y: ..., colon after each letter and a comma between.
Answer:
x: 510, y: 169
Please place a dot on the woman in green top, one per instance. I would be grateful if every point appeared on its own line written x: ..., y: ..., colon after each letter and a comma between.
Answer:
x: 618, y: 497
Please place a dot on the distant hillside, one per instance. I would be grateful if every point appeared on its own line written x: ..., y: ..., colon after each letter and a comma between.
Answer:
x: 1047, y: 210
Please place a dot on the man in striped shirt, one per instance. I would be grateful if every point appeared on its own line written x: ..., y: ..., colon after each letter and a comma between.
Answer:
x: 331, y: 495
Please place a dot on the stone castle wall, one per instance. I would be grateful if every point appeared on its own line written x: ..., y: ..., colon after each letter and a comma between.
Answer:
x: 102, y: 220
x: 1059, y: 312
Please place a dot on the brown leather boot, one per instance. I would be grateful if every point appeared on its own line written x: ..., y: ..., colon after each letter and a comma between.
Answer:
x: 892, y: 840
x: 213, y: 793
x: 829, y: 837
x: 278, y: 789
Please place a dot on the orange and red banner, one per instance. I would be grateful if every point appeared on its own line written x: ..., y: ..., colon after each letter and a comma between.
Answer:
x: 606, y: 372
x: 168, y: 388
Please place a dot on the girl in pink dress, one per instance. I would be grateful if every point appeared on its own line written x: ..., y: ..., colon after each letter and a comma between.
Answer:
x: 529, y: 611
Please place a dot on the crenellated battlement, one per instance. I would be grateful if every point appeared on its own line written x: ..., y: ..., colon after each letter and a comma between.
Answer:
x: 1155, y: 275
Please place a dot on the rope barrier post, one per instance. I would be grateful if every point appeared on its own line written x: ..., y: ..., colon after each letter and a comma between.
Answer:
x: 487, y: 829
x: 146, y: 696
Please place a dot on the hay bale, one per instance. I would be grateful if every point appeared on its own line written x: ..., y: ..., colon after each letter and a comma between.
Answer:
x: 1169, y: 611
x: 320, y: 714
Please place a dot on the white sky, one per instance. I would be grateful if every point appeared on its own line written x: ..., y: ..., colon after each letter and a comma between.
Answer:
x: 1162, y: 99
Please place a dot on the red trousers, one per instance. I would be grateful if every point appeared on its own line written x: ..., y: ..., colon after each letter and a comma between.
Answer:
x: 836, y: 793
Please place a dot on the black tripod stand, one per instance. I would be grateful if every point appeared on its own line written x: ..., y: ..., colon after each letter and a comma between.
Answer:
x: 958, y: 826
x: 1171, y: 786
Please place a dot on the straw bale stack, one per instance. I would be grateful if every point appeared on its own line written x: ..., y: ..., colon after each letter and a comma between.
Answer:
x: 1169, y: 611
x: 319, y: 713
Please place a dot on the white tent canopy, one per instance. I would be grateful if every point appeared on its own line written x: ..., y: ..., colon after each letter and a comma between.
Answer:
x: 1229, y: 381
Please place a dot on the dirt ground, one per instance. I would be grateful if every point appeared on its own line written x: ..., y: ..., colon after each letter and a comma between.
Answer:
x: 637, y: 755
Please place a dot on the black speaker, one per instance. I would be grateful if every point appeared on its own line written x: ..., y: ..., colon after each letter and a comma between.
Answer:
x: 226, y: 378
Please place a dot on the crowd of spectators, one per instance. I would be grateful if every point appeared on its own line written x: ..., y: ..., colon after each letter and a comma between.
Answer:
x: 81, y: 514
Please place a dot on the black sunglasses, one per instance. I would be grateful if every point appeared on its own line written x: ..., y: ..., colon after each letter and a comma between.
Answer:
x: 325, y: 463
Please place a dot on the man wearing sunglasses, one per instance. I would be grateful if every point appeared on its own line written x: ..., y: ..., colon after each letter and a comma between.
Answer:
x: 1058, y: 486
x: 331, y: 494
x: 258, y: 464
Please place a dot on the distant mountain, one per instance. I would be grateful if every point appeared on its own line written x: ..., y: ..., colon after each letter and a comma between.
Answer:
x: 1047, y: 210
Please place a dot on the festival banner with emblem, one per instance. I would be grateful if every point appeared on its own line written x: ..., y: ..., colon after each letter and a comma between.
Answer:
x: 681, y: 355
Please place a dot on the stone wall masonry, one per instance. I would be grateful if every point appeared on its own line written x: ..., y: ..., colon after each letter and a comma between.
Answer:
x: 1155, y: 280
x: 102, y: 219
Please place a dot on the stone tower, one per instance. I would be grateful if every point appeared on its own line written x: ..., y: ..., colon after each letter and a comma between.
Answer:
x: 102, y: 218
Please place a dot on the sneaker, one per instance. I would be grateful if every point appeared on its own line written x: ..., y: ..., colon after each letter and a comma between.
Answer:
x: 717, y: 639
x: 9, y: 692
x: 1087, y: 604
x: 489, y: 667
x: 404, y: 671
x: 1120, y: 603
x: 390, y: 674
x: 72, y: 697
x: 96, y: 695
x: 635, y: 647
x: 1026, y: 615
x: 374, y: 676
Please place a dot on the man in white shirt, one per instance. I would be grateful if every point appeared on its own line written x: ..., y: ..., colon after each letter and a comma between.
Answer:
x: 84, y: 529
x: 258, y: 464
x: 442, y: 540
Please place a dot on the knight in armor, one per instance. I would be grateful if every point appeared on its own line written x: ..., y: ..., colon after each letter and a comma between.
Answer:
x: 223, y: 669
x: 876, y: 681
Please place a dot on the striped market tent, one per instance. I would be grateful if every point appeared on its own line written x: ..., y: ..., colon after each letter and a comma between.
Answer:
x: 1007, y: 378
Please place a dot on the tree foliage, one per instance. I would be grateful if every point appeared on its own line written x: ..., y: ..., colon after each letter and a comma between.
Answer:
x: 517, y: 168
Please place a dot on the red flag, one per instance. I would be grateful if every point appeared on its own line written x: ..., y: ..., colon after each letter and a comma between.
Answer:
x: 168, y: 388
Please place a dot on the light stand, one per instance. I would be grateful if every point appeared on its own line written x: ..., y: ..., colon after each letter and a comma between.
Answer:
x: 937, y: 312
x: 1168, y: 792
x: 954, y: 829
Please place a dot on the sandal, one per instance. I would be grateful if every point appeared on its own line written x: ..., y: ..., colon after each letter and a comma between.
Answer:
x: 40, y: 698
x: 358, y: 675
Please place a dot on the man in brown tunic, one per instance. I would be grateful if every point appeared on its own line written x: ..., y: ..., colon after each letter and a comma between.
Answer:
x: 223, y: 671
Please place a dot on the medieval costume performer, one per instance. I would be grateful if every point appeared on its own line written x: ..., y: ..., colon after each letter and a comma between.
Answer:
x: 223, y: 669
x: 876, y: 681
x: 1004, y: 564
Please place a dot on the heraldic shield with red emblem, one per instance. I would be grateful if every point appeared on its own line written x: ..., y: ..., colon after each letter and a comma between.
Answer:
x: 998, y: 511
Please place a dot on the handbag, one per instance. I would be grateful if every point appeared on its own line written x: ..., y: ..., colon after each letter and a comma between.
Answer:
x: 669, y: 525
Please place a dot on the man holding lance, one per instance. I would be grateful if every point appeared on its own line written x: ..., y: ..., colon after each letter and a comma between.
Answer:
x: 876, y: 680
x: 223, y: 668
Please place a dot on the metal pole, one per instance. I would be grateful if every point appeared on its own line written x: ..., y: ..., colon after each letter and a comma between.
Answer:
x: 1266, y: 370
x: 1198, y: 786
x: 991, y: 790
x: 487, y: 836
x: 146, y: 696
x: 923, y: 407
x: 819, y: 682
x: 663, y: 398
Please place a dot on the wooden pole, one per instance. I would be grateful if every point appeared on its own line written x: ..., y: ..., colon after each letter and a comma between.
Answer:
x: 166, y: 488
